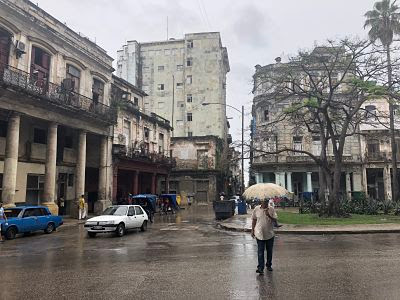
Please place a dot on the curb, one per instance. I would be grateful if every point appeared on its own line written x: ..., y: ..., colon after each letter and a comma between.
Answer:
x: 313, y: 232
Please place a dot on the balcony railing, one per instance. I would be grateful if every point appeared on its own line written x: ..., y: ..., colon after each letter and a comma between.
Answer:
x: 377, y: 156
x: 142, y: 154
x: 54, y: 93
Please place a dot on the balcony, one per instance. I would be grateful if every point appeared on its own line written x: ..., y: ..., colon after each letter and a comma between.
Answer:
x: 377, y: 156
x: 142, y: 155
x: 55, y: 94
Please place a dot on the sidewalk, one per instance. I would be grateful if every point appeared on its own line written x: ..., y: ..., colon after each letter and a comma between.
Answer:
x: 242, y: 223
x: 68, y: 221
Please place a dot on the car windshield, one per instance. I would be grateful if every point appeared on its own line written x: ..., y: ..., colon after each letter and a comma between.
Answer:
x: 116, y: 211
x: 12, y: 213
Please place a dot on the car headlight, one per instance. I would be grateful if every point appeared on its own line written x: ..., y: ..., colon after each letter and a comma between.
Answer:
x: 106, y: 223
x: 90, y: 223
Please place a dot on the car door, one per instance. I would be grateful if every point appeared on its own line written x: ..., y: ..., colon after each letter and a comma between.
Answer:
x: 140, y: 216
x: 131, y: 218
x: 43, y: 218
x: 29, y: 220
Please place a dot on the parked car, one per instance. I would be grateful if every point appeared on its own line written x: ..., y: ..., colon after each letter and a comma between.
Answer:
x: 118, y: 219
x: 26, y: 219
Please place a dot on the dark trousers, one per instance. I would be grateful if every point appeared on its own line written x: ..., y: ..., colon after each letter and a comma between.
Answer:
x: 262, y: 246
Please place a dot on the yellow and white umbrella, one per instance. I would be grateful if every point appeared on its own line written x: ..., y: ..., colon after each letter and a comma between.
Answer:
x: 264, y: 190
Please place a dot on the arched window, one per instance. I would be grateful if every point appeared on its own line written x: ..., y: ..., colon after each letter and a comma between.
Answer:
x: 98, y: 91
x: 40, y: 65
x: 370, y: 111
x: 74, y: 74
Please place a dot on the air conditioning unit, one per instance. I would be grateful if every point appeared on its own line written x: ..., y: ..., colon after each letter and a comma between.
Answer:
x: 68, y: 84
x: 19, y: 48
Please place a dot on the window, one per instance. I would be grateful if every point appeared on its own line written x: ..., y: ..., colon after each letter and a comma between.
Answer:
x: 98, y: 91
x: 316, y: 145
x: 70, y: 179
x: 189, y: 98
x: 179, y: 67
x: 266, y: 115
x: 189, y: 117
x: 189, y: 79
x: 373, y: 147
x: 34, y: 188
x: 40, y: 66
x: 138, y: 210
x: 202, y: 159
x: 189, y: 62
x: 75, y: 75
x: 190, y: 133
x: 160, y: 87
x: 33, y: 212
x: 189, y: 44
x: 146, y: 133
x: 160, y: 143
x: 39, y: 136
x: 298, y: 144
x: 161, y: 68
x: 136, y: 101
x: 127, y: 132
x: 131, y: 211
x: 179, y: 85
x: 395, y: 110
x: 370, y: 111
x: 3, y: 128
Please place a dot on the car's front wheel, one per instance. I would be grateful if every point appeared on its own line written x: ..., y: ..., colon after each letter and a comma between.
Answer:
x: 91, y: 234
x: 144, y: 226
x: 50, y: 228
x: 11, y: 233
x: 120, y: 231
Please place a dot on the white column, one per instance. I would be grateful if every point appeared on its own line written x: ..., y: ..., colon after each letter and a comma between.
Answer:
x: 50, y: 169
x: 387, y: 183
x: 282, y: 179
x: 80, y: 166
x: 11, y: 161
x: 257, y: 175
x: 289, y: 182
x: 309, y: 182
x: 277, y: 178
x: 348, y: 185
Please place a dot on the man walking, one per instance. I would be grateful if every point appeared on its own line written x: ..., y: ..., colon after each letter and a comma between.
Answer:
x: 81, y: 204
x: 262, y: 229
x: 3, y: 219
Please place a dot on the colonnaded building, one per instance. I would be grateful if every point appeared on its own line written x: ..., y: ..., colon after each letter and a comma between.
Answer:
x: 366, y: 156
x: 68, y: 127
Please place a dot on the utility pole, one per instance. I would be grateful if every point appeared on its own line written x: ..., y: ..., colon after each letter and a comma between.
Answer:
x: 173, y: 103
x: 242, y: 149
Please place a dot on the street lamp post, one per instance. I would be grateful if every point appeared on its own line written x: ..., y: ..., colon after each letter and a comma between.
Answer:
x: 242, y: 113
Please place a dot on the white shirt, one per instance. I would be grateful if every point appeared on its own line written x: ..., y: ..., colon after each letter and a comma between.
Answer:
x: 1, y: 213
x: 264, y: 230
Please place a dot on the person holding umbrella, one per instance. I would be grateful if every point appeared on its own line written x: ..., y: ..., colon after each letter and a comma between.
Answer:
x: 262, y: 230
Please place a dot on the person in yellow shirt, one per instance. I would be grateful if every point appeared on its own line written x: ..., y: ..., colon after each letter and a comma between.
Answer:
x: 81, y: 205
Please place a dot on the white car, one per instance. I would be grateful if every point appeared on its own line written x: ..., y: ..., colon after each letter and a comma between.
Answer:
x: 118, y: 219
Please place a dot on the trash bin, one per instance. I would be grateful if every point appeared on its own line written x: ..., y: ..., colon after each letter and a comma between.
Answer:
x: 224, y: 209
x: 242, y: 207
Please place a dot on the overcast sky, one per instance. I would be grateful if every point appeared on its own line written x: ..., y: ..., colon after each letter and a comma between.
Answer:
x: 255, y: 32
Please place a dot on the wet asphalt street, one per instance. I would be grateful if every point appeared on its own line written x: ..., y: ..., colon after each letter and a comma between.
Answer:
x: 186, y: 257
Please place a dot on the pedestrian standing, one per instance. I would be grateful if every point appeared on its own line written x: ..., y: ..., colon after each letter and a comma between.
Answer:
x: 61, y: 205
x: 262, y: 229
x: 81, y: 204
x: 3, y: 219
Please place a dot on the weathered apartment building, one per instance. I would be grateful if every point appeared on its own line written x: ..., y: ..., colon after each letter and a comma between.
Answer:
x: 366, y: 157
x: 55, y: 118
x: 69, y: 127
x: 179, y: 75
x: 141, y: 146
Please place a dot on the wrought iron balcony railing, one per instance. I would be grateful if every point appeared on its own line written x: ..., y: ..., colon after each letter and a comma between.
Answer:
x: 57, y: 94
x: 142, y: 154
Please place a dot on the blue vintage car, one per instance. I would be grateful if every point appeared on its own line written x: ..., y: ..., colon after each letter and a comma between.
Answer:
x: 25, y: 219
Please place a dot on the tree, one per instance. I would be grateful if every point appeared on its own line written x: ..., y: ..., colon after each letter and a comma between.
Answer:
x: 320, y: 93
x: 384, y: 23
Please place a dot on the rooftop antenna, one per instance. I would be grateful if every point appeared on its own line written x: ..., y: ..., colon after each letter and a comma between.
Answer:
x: 167, y: 28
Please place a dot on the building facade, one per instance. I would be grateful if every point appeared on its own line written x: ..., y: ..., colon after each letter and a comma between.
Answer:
x: 201, y: 168
x: 55, y: 118
x: 179, y: 75
x: 295, y: 171
x: 141, y: 144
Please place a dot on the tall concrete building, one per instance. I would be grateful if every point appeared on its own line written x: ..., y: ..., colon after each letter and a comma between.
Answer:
x: 179, y: 75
